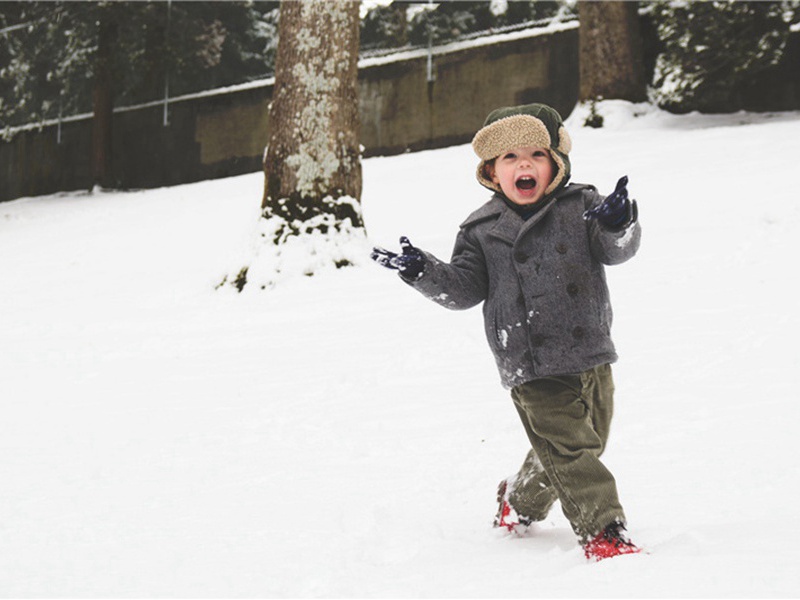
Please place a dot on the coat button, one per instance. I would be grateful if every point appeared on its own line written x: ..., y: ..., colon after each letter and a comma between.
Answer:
x: 561, y: 248
x: 578, y: 333
x: 520, y: 256
x: 573, y: 289
x: 537, y: 341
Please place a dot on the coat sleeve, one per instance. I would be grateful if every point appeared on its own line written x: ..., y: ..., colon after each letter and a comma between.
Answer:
x: 613, y: 247
x: 460, y: 284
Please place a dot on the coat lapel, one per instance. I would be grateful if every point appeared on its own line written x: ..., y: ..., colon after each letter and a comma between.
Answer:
x: 507, y: 227
x: 531, y: 223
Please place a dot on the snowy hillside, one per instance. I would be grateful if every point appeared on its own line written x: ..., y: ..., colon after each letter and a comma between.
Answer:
x: 340, y: 436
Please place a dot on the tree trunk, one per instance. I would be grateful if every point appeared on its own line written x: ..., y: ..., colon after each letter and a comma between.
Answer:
x: 611, y: 63
x: 313, y: 157
x: 103, y: 100
x: 311, y: 212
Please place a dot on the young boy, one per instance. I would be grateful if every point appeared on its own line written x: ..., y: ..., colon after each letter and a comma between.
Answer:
x: 534, y: 255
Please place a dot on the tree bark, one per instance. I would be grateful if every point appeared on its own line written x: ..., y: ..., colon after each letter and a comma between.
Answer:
x: 611, y: 62
x: 313, y: 156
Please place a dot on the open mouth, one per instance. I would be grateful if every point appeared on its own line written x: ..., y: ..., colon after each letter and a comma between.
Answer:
x: 526, y: 183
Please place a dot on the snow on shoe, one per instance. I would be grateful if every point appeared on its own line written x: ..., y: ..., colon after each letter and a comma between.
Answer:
x: 506, y: 515
x: 610, y: 542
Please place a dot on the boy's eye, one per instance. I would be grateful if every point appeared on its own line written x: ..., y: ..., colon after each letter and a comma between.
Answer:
x: 510, y: 155
x: 538, y: 153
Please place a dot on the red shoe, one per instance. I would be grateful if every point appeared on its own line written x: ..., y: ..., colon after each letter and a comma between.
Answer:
x: 506, y: 515
x: 609, y: 543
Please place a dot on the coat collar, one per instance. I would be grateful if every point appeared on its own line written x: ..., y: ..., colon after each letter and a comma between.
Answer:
x: 509, y: 226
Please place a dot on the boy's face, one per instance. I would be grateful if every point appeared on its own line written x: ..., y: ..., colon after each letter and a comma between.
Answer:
x: 523, y: 173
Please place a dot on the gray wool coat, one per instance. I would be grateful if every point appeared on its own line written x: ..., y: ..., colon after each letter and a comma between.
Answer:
x: 542, y: 281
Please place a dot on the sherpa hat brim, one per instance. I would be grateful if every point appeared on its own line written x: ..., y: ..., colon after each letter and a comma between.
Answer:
x: 520, y: 129
x: 517, y: 131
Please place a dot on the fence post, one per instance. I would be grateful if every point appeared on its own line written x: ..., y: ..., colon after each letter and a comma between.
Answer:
x: 166, y: 69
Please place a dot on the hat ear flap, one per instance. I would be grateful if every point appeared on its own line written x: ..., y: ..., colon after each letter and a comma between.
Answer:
x: 485, y: 174
x: 562, y: 172
x: 564, y: 141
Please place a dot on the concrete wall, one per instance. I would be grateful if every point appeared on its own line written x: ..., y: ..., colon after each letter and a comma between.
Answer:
x: 401, y: 109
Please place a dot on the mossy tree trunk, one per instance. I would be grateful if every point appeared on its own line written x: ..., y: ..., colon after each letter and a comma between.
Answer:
x: 312, y: 165
x: 610, y: 46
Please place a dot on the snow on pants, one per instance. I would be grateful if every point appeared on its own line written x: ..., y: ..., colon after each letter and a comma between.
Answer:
x: 567, y: 419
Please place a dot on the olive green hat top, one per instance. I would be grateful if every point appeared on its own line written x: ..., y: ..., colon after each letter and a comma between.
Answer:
x: 518, y: 126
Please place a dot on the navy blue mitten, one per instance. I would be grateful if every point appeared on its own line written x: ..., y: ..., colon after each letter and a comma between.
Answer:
x: 410, y: 264
x: 616, y: 211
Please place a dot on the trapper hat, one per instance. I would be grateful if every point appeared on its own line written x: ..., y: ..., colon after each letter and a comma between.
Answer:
x: 517, y: 126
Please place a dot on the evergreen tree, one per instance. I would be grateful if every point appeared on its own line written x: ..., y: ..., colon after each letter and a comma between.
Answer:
x: 48, y: 70
x: 447, y: 21
x: 48, y: 49
x: 710, y: 48
x: 530, y: 10
x: 443, y: 22
x: 385, y: 26
x: 215, y: 44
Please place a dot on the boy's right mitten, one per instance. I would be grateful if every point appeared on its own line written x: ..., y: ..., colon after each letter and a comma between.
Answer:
x: 616, y: 211
x: 410, y: 264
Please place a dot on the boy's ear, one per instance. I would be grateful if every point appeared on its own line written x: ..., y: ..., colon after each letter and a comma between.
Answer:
x: 489, y: 172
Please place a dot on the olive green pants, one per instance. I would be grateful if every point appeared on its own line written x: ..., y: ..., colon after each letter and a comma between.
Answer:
x: 567, y: 419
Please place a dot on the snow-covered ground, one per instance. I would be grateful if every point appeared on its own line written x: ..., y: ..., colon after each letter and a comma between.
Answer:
x: 341, y: 436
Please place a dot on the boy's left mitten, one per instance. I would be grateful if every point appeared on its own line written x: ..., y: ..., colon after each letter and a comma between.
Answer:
x: 616, y: 211
x: 410, y: 264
